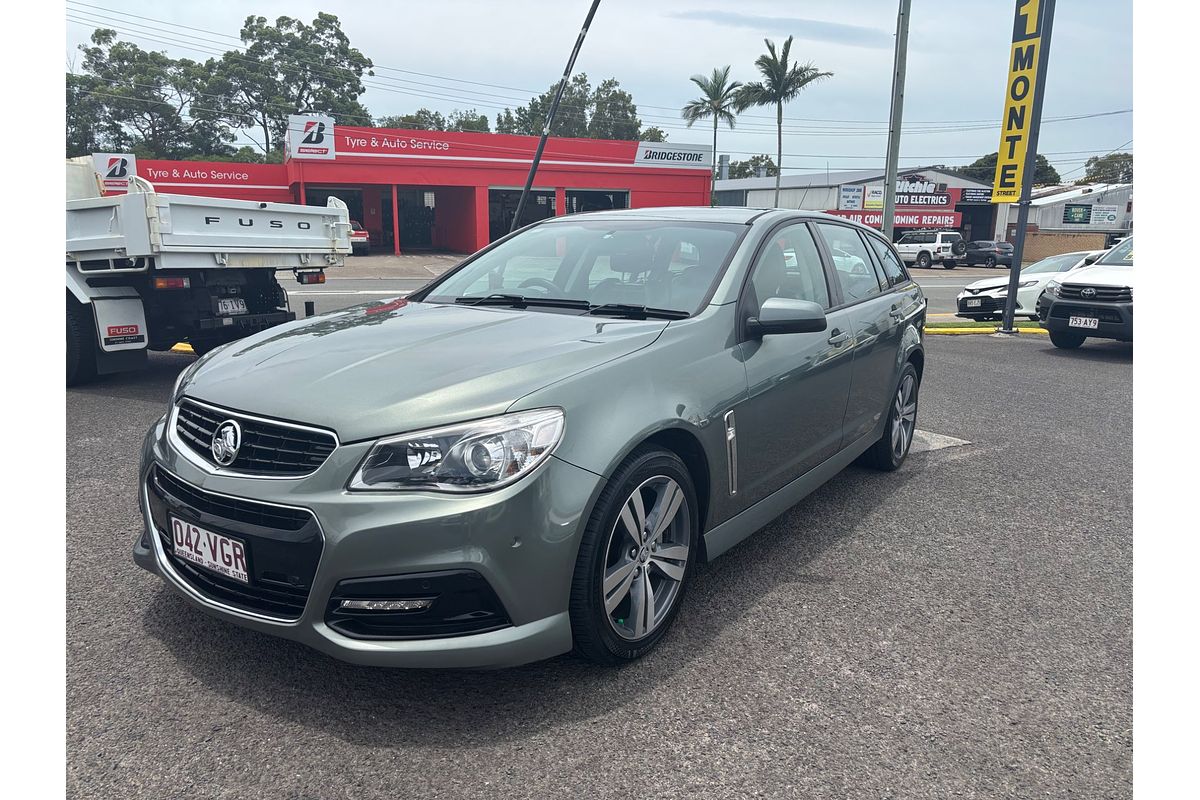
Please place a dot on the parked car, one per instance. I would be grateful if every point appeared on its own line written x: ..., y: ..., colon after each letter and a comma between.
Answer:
x: 926, y: 248
x: 532, y: 453
x: 988, y: 253
x: 984, y: 299
x: 360, y: 239
x: 1094, y: 302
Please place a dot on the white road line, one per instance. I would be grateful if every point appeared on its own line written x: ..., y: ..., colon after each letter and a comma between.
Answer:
x: 924, y: 441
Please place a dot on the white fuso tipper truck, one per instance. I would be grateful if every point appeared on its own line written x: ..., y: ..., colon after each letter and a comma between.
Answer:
x: 146, y: 271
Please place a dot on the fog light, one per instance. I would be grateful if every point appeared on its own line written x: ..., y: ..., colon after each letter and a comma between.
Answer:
x: 386, y: 605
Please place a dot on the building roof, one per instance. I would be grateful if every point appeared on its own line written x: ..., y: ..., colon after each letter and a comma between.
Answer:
x: 1050, y: 195
x: 830, y: 179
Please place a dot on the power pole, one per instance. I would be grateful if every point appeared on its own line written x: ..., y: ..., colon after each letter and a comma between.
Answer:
x: 1045, y: 27
x: 893, y: 146
x: 562, y: 84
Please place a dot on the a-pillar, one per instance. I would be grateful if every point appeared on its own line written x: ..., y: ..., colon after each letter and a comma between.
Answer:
x: 483, y: 233
x: 395, y: 220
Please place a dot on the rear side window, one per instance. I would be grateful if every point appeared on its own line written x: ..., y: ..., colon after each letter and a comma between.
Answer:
x: 851, y: 261
x: 893, y: 270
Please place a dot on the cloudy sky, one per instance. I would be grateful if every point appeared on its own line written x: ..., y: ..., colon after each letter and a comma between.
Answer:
x: 958, y: 51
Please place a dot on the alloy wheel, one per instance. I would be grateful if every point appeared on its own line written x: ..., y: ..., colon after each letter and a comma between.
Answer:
x: 646, y: 557
x: 904, y: 416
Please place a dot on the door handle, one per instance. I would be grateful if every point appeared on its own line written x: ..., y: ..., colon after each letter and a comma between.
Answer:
x: 895, y: 313
x: 837, y: 337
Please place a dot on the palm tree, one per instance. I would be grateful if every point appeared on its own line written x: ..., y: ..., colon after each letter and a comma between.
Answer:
x: 781, y: 82
x: 717, y: 101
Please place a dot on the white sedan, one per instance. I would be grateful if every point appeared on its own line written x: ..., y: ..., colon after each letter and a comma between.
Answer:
x: 984, y: 300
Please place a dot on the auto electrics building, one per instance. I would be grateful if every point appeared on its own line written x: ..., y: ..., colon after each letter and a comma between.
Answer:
x: 415, y: 189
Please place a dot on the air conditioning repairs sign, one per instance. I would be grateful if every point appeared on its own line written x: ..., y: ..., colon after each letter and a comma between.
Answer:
x: 1019, y: 97
x: 311, y: 136
x: 114, y: 170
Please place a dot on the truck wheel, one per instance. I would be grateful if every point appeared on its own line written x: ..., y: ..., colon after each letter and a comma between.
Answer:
x: 923, y: 260
x: 1065, y: 340
x: 81, y: 345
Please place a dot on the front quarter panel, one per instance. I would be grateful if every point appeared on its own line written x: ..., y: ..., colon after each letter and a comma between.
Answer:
x: 686, y: 380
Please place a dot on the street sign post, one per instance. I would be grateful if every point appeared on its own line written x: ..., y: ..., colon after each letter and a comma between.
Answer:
x: 1016, y: 161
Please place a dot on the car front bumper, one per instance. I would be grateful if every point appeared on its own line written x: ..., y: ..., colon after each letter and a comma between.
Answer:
x: 991, y: 305
x: 1115, y: 319
x: 521, y: 541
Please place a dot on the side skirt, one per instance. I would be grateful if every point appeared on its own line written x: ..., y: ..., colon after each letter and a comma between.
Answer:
x: 735, y: 529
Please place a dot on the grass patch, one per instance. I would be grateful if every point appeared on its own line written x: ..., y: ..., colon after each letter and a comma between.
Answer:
x: 964, y: 323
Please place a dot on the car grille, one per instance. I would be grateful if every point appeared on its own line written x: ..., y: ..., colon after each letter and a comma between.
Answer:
x: 1104, y: 294
x: 268, y: 448
x: 283, y: 545
x: 987, y: 304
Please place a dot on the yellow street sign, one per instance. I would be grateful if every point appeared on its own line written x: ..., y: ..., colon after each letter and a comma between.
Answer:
x: 1018, y: 102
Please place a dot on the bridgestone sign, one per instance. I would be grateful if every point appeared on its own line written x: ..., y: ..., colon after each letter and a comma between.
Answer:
x: 673, y: 156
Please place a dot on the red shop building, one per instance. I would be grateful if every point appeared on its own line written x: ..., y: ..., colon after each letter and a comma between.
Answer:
x: 419, y: 190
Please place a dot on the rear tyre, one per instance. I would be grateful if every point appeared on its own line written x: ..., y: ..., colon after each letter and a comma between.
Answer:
x: 1066, y: 341
x: 892, y: 448
x: 81, y: 344
x: 949, y: 264
x: 635, y: 558
x: 989, y: 262
x: 923, y: 260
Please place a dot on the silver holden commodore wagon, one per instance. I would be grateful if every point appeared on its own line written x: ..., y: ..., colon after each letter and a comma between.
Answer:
x: 531, y: 454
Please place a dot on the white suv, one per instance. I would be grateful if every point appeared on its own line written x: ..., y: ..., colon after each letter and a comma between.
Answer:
x: 924, y: 248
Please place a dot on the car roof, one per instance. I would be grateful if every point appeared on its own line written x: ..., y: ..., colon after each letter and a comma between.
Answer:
x: 735, y: 214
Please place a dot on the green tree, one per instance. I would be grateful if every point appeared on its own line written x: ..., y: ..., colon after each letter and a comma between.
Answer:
x: 749, y: 167
x: 654, y: 134
x: 143, y: 101
x: 984, y: 169
x: 1112, y: 168
x: 290, y: 68
x: 781, y: 81
x: 613, y: 113
x: 718, y: 99
x: 570, y: 120
x: 421, y: 119
x: 467, y: 121
x: 608, y: 112
x: 506, y: 122
x: 90, y: 128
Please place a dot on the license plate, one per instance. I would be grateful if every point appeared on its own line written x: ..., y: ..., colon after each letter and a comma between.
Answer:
x: 1083, y: 322
x: 235, y: 305
x: 974, y: 302
x: 213, y: 551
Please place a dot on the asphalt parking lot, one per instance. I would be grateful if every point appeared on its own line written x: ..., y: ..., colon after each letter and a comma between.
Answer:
x: 961, y: 628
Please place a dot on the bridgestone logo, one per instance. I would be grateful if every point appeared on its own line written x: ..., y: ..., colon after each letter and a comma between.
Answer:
x: 660, y: 155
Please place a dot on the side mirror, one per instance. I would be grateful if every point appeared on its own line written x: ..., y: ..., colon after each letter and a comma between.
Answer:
x: 783, y: 315
x: 1089, y: 260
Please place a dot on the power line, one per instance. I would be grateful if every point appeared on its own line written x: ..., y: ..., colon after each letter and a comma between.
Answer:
x: 484, y: 97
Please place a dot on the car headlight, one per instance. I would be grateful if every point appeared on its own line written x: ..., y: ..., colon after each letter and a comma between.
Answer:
x: 182, y: 380
x: 1026, y: 284
x: 1053, y: 288
x: 474, y: 456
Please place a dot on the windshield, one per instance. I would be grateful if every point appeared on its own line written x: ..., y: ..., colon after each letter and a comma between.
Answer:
x: 1060, y: 263
x: 1121, y: 255
x: 657, y: 264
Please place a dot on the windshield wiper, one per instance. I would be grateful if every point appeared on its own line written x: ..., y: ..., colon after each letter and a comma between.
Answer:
x: 520, y: 301
x: 636, y: 311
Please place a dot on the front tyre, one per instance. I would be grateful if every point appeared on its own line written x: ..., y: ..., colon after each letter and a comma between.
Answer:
x: 892, y: 448
x: 635, y: 558
x: 1065, y: 340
